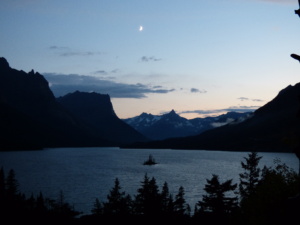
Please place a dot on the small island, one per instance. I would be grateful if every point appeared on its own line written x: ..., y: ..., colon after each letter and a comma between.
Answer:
x: 150, y: 161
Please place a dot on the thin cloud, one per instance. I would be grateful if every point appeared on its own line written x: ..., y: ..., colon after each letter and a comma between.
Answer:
x: 195, y: 90
x: 243, y: 99
x: 257, y: 100
x: 62, y: 84
x: 104, y: 72
x: 149, y: 59
x: 67, y: 52
x: 248, y: 99
x: 79, y: 53
x: 115, y: 71
x: 219, y: 124
x: 217, y: 111
x: 54, y: 47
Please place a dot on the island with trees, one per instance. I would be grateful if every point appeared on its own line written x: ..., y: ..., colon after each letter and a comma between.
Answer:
x: 150, y: 161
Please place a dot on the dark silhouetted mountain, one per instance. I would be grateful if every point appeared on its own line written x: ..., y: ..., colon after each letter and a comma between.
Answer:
x: 31, y: 118
x: 273, y: 127
x: 172, y: 125
x: 97, y: 111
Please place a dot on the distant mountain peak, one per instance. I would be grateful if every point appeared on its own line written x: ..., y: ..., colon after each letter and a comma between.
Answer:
x: 145, y: 114
x: 172, y: 112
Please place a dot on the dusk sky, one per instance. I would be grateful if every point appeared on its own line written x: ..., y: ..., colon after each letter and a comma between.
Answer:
x: 198, y: 57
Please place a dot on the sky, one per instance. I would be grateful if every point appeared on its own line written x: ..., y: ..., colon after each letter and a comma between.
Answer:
x: 198, y: 57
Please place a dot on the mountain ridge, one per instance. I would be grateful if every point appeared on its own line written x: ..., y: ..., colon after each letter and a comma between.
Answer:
x: 168, y: 125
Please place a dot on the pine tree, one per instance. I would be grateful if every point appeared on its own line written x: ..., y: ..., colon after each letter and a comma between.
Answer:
x: 12, y: 185
x: 118, y: 202
x: 180, y: 205
x: 40, y: 203
x: 62, y: 208
x: 98, y: 208
x: 250, y: 178
x: 215, y: 200
x: 2, y: 185
x: 167, y: 202
x: 147, y: 201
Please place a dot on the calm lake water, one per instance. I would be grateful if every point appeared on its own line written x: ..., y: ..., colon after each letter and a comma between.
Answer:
x: 84, y: 174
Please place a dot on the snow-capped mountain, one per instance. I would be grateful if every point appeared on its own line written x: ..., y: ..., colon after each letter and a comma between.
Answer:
x: 169, y: 125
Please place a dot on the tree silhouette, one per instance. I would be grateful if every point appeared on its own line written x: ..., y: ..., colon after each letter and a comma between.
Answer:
x: 215, y: 201
x: 2, y: 185
x: 40, y: 204
x: 147, y: 201
x: 270, y: 204
x: 250, y: 177
x: 167, y: 202
x: 97, y: 208
x: 62, y: 209
x: 297, y: 11
x: 180, y: 206
x: 12, y: 185
x: 118, y: 202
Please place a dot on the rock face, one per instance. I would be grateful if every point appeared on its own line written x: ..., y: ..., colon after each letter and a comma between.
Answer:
x: 97, y: 112
x: 273, y: 127
x: 32, y: 118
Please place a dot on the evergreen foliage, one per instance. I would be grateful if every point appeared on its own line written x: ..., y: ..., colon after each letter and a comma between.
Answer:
x: 271, y: 203
x: 12, y: 186
x: 16, y: 208
x: 118, y: 202
x: 180, y: 205
x: 250, y: 177
x: 2, y: 183
x: 150, y: 161
x: 167, y: 202
x: 215, y: 201
x: 98, y: 208
x: 147, y: 201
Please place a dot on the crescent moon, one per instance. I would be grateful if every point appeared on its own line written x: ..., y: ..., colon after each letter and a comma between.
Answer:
x: 141, y: 28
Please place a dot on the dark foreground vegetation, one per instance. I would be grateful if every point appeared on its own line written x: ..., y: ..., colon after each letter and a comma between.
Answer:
x: 262, y: 196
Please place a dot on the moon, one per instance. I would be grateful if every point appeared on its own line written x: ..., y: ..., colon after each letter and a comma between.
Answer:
x: 141, y: 28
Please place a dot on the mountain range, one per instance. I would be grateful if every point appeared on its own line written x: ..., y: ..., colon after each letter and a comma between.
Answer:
x: 171, y: 125
x: 32, y: 118
x: 274, y: 127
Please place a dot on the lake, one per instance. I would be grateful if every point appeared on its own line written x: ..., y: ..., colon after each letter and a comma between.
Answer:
x: 84, y: 174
